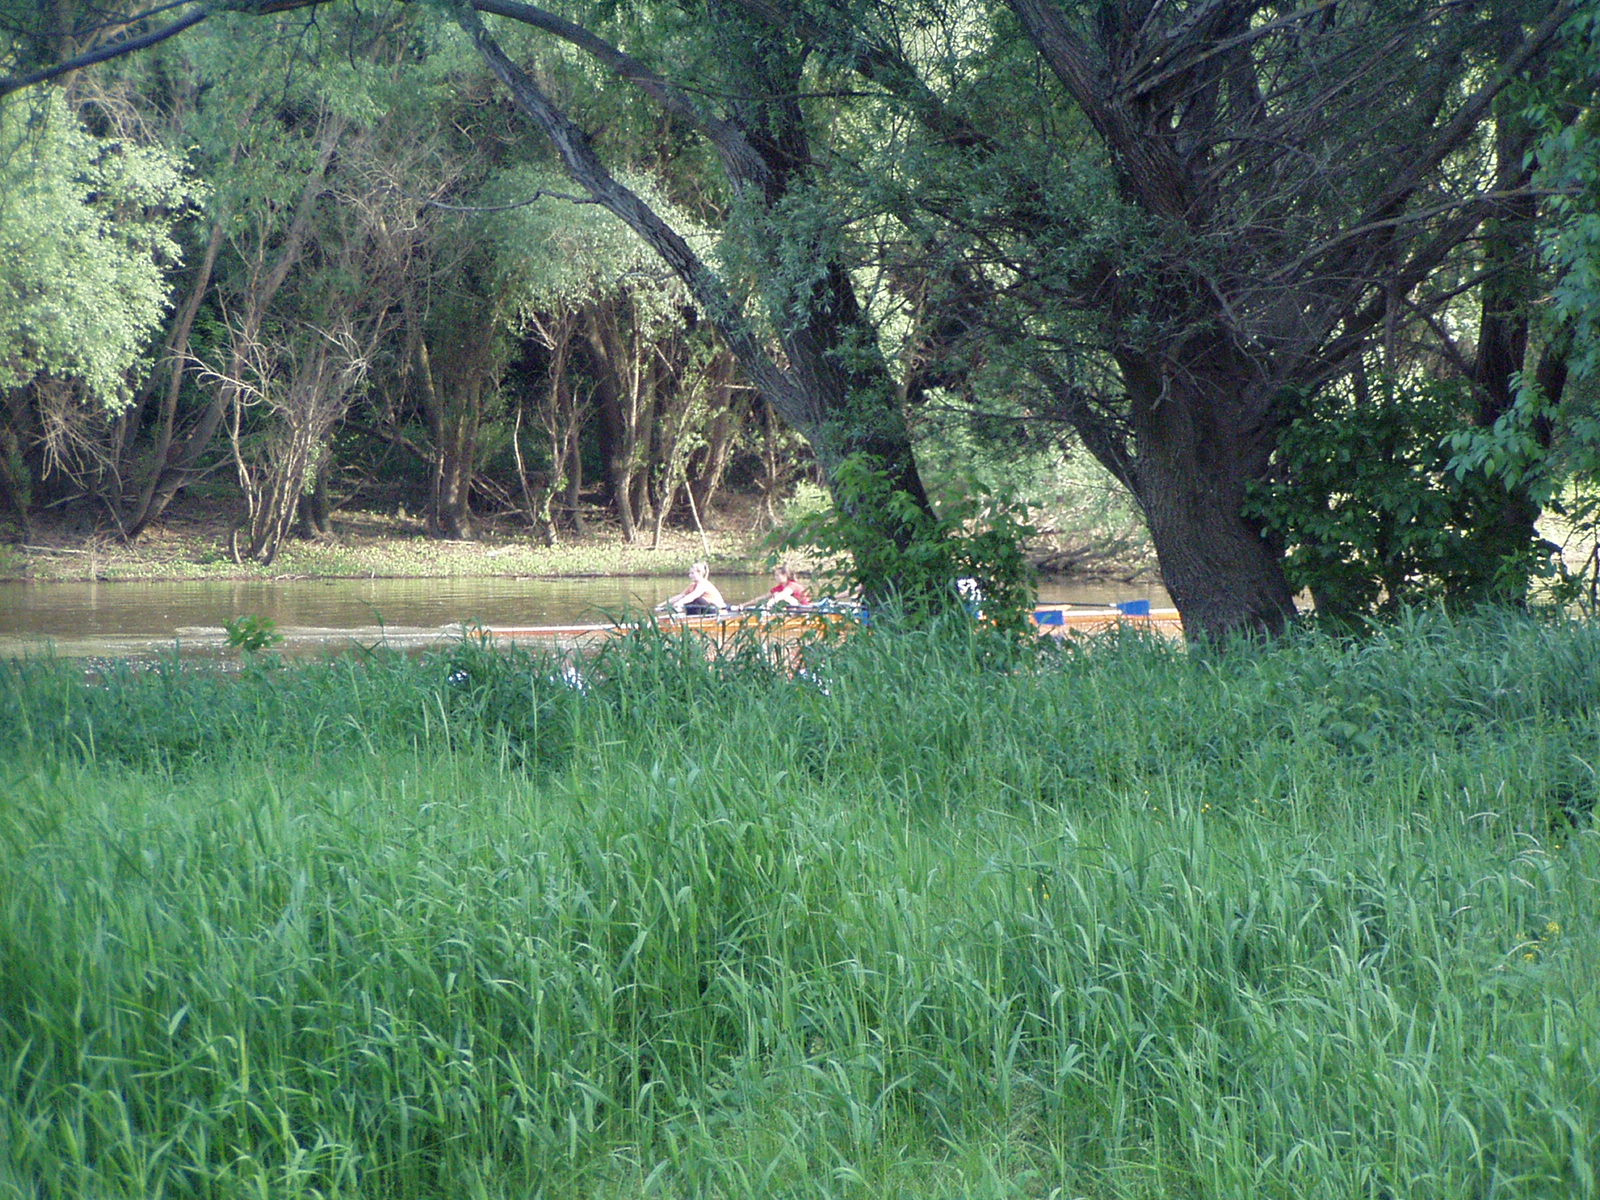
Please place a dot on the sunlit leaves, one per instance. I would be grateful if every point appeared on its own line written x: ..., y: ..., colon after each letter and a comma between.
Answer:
x: 85, y: 240
x: 552, y: 249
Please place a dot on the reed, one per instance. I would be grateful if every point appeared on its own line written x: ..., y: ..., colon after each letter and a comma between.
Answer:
x: 933, y: 918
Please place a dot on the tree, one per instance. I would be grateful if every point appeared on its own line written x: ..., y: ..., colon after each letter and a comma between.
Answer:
x: 85, y: 245
x: 1177, y: 224
x: 1186, y: 221
x: 806, y: 342
x: 833, y: 383
x: 1540, y: 436
x: 604, y: 309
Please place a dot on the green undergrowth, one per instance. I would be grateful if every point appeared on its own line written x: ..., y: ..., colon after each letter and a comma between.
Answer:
x: 928, y: 918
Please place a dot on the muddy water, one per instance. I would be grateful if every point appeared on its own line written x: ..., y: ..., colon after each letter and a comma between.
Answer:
x: 143, y: 620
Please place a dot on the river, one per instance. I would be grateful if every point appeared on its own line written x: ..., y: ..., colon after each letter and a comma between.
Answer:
x: 141, y: 620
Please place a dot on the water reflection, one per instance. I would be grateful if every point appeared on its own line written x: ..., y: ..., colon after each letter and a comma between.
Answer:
x: 112, y: 620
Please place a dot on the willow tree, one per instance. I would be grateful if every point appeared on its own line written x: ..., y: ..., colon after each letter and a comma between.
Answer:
x: 789, y: 312
x: 786, y: 302
x: 1181, y: 221
x: 86, y: 240
x: 1177, y: 223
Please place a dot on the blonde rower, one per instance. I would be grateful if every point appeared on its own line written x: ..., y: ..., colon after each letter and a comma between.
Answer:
x: 700, y: 598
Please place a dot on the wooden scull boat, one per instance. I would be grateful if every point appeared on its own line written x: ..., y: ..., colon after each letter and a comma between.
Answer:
x: 795, y: 624
x: 719, y: 628
x: 1064, y: 620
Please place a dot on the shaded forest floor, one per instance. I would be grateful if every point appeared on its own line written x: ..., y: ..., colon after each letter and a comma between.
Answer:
x: 193, y: 542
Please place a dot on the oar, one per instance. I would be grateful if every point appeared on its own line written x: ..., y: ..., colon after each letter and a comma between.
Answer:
x: 1053, y: 615
x: 1128, y: 608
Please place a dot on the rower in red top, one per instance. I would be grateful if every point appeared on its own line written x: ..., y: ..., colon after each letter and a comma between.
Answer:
x: 786, y: 590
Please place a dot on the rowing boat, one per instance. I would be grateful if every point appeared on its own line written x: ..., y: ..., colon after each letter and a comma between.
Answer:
x: 1066, y: 620
x: 720, y: 628
x: 798, y: 624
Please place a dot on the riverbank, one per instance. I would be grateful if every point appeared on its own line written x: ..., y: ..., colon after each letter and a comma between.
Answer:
x: 193, y: 543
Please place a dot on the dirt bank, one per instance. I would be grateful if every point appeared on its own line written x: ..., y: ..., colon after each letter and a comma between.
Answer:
x: 193, y: 542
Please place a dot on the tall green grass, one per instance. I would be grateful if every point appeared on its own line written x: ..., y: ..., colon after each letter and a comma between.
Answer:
x: 929, y: 920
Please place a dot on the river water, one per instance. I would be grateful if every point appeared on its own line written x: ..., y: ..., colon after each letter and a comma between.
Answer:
x: 147, y: 620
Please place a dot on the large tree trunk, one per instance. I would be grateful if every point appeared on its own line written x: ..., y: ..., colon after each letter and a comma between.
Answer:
x: 1223, y: 575
x: 1197, y: 455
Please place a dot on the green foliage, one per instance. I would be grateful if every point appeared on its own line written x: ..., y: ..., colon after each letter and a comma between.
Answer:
x: 1087, y: 517
x: 808, y: 501
x: 879, y: 541
x: 85, y: 240
x: 1551, y: 447
x: 1551, y: 451
x: 1375, y: 510
x: 1568, y: 161
x: 548, y: 253
x: 252, y: 633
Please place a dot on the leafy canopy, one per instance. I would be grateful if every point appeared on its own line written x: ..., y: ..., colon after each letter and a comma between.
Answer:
x: 85, y: 240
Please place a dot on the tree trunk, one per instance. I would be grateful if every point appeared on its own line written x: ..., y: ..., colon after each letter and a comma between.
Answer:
x: 170, y: 469
x: 453, y: 422
x: 1223, y: 575
x: 574, y: 474
x: 624, y: 410
x: 1196, y: 460
x: 619, y: 463
x: 316, y: 509
x: 534, y: 490
x: 724, y: 424
x: 452, y: 490
x: 560, y: 413
x: 1509, y: 532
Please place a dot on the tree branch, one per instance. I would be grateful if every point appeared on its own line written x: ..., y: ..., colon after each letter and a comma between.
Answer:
x: 746, y: 166
x: 103, y: 53
x: 1460, y: 127
x: 587, y: 170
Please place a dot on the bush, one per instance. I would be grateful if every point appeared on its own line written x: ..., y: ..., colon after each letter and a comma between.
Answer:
x: 881, y: 543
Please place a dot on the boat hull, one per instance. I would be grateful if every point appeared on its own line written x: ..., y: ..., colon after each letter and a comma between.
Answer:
x: 1070, y: 620
x: 790, y: 627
